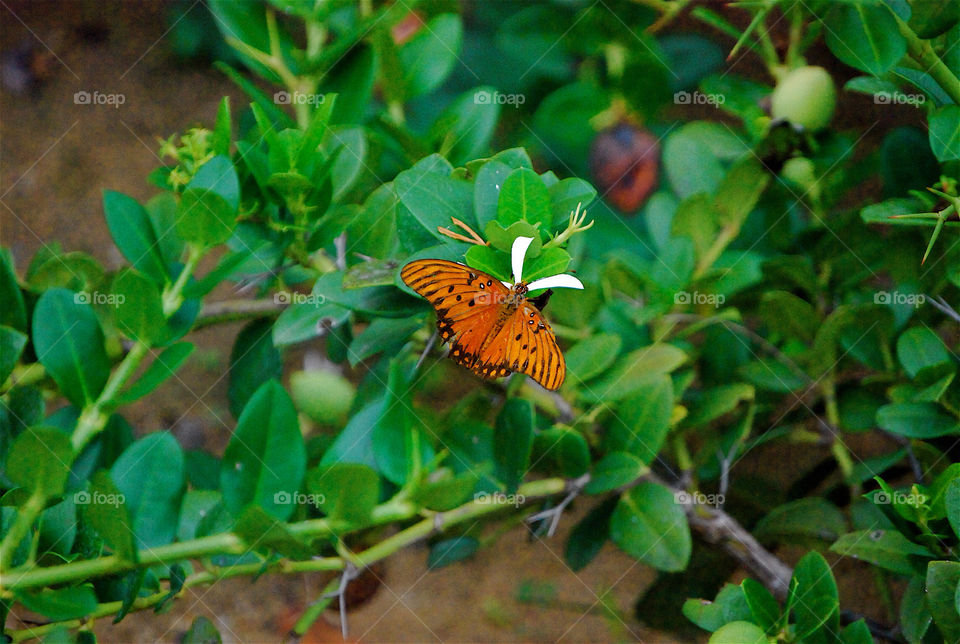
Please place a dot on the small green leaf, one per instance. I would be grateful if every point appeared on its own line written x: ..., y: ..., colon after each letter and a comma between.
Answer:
x: 916, y: 420
x: 202, y: 631
x: 865, y: 36
x: 566, y: 195
x: 884, y: 548
x: 945, y: 133
x: 561, y: 450
x: 61, y: 604
x: 806, y: 521
x: 615, y: 470
x: 763, y: 607
x: 260, y: 530
x: 943, y: 577
x: 651, y: 527
x: 139, y: 309
x: 205, y: 218
x: 524, y: 197
x: 133, y: 233
x: 919, y: 347
x: 634, y: 370
x: 739, y: 633
x: 12, y: 343
x: 345, y: 492
x: 13, y: 313
x: 220, y: 177
x: 431, y: 55
x: 222, y: 129
x: 253, y: 361
x: 105, y: 508
x: 486, y: 191
x: 588, y: 536
x: 151, y: 477
x: 451, y: 551
x: 266, y: 457
x: 513, y: 441
x: 915, y: 617
x: 591, y: 357
x: 814, y: 596
x: 642, y: 421
x: 39, y: 460
x: 69, y: 343
x: 550, y: 261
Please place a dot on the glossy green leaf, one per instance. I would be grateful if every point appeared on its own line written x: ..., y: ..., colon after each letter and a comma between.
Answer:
x: 917, y: 420
x: 133, y: 233
x: 205, y: 218
x: 345, y: 491
x: 635, y: 370
x: 39, y: 460
x: 524, y: 197
x: 266, y: 457
x: 13, y: 313
x: 945, y: 133
x: 562, y: 450
x: 139, y: 309
x: 513, y: 441
x: 591, y: 357
x: 254, y: 360
x: 432, y: 54
x: 433, y: 197
x: 641, y: 422
x: 150, y: 474
x: 943, y: 577
x: 71, y: 602
x: 884, y: 548
x: 218, y: 176
x: 451, y: 551
x: 814, y: 596
x: 915, y: 617
x: 739, y: 633
x: 69, y: 343
x: 588, y: 536
x: 104, y: 506
x: 263, y: 531
x: 806, y: 521
x: 12, y: 343
x: 614, y: 470
x: 865, y: 35
x: 763, y: 606
x: 919, y: 347
x: 651, y: 527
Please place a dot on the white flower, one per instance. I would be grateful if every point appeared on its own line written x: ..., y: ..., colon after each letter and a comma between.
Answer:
x: 517, y: 254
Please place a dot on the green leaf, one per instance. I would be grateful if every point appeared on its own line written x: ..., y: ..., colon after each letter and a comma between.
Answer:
x: 865, y: 36
x: 451, y: 551
x: 202, y: 631
x: 345, y: 492
x: 739, y: 633
x: 12, y: 343
x: 164, y: 366
x: 524, y: 197
x: 305, y: 320
x: 772, y: 375
x: 218, y: 175
x: 150, y: 474
x: 39, y: 460
x: 266, y: 456
x: 805, y: 521
x: 642, y: 421
x: 139, y: 309
x: 489, y: 261
x: 952, y: 501
x: 730, y: 605
x: 197, y: 504
x: 486, y: 191
x: 222, y: 129
x: 943, y: 577
x: 61, y: 604
x: 591, y: 357
x: 513, y: 441
x: 887, y: 549
x: 69, y: 343
x: 13, y: 313
x: 446, y: 491
x: 348, y: 145
x: 919, y: 347
x: 133, y: 233
x: 615, y: 470
x: 945, y: 133
x: 561, y: 450
x: 433, y: 197
x: 432, y: 54
x: 690, y: 158
x: 588, y: 536
x: 740, y: 191
x: 205, y: 218
x: 502, y: 238
x: 763, y: 606
x: 649, y: 526
x: 789, y: 315
x: 566, y: 195
x: 915, y: 617
x: 549, y: 262
x: 717, y: 401
x: 466, y: 125
x: 634, y: 370
x: 814, y: 596
x: 917, y: 420
x: 261, y: 530
x: 253, y: 361
x: 105, y: 508
x: 374, y: 272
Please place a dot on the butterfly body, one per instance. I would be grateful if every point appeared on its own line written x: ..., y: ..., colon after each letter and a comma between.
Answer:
x: 493, y: 329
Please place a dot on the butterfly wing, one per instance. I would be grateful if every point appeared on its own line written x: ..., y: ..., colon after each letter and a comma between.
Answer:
x: 467, y: 301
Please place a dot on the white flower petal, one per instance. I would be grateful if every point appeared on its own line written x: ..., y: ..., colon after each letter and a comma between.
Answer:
x: 555, y: 281
x: 507, y: 284
x: 517, y: 253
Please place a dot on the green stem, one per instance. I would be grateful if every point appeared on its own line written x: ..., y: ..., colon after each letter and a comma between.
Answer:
x: 21, y: 526
x: 173, y: 297
x: 922, y: 52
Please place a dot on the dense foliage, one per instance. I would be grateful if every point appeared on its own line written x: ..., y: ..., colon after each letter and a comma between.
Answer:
x: 785, y: 289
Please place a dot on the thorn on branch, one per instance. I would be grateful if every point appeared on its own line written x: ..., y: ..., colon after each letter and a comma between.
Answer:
x: 350, y: 572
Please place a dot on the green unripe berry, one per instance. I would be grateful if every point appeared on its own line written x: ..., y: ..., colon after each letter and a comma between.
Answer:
x: 806, y: 96
x: 323, y: 396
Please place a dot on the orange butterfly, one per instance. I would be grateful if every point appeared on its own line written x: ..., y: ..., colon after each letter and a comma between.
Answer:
x: 493, y: 328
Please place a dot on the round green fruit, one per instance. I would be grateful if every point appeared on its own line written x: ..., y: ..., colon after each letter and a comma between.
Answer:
x: 806, y: 96
x: 323, y: 396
